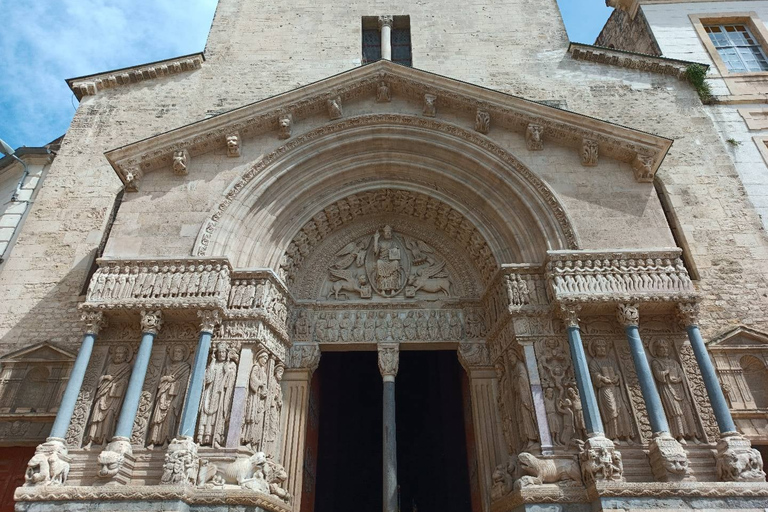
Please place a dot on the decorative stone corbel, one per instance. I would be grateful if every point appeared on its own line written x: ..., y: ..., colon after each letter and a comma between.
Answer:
x: 570, y: 314
x: 533, y: 137
x: 383, y: 93
x: 285, y: 122
x: 600, y: 461
x: 49, y: 465
x: 182, y: 463
x: 180, y: 162
x: 688, y: 313
x: 737, y: 461
x: 233, y: 145
x: 669, y: 462
x: 133, y: 176
x: 209, y: 319
x: 334, y: 107
x: 389, y: 360
x: 628, y: 315
x: 430, y: 105
x: 473, y: 355
x: 589, y: 152
x: 305, y: 356
x: 116, y: 462
x: 482, y: 121
x: 643, y: 167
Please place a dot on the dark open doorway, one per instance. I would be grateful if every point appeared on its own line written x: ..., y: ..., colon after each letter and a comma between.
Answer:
x: 349, y: 452
x: 431, y: 444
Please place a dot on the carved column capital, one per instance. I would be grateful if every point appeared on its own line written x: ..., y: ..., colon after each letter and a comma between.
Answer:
x: 209, y: 319
x: 473, y: 355
x: 688, y: 313
x: 570, y: 314
x: 151, y: 322
x: 386, y: 20
x: 628, y: 315
x: 305, y: 356
x: 389, y: 360
x: 94, y: 321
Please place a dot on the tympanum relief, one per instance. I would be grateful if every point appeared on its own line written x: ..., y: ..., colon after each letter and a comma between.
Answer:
x: 387, y: 265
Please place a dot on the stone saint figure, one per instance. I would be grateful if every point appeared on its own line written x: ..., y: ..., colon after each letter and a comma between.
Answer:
x: 109, y: 396
x: 217, y: 396
x: 255, y: 405
x: 170, y: 394
x: 671, y: 383
x: 388, y: 267
x: 272, y: 419
x: 523, y: 402
x: 606, y: 377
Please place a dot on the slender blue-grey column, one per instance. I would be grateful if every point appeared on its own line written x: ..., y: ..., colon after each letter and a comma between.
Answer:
x: 150, y: 325
x: 93, y: 320
x: 389, y: 359
x: 629, y: 317
x: 592, y: 420
x: 208, y: 321
x: 688, y: 314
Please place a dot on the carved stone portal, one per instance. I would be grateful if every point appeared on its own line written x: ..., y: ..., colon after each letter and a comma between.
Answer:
x: 387, y: 265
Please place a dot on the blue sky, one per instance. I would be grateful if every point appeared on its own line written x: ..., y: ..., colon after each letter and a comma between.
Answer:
x: 44, y: 42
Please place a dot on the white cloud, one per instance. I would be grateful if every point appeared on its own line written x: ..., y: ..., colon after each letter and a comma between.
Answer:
x: 43, y: 42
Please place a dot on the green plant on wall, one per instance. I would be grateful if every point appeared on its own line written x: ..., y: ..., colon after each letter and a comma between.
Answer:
x: 696, y: 74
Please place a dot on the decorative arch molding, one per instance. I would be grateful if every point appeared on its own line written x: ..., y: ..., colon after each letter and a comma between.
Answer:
x: 516, y: 213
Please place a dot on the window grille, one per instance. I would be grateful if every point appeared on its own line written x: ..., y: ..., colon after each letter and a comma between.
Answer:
x: 738, y: 48
x: 371, y: 45
x: 401, y: 46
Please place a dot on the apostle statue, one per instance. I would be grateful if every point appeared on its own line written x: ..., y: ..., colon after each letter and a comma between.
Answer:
x: 217, y: 395
x: 523, y: 402
x: 671, y: 383
x: 606, y: 377
x: 170, y: 397
x: 109, y: 396
x: 255, y: 405
x: 272, y: 419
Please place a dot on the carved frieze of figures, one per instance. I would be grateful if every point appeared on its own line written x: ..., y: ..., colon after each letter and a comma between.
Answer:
x: 609, y: 387
x: 515, y: 402
x: 383, y: 93
x: 615, y: 275
x: 170, y: 396
x: 285, y: 123
x: 126, y: 282
x: 533, y: 137
x: 180, y: 162
x: 233, y: 144
x: 247, y: 293
x: 390, y: 325
x: 387, y: 265
x: 218, y: 387
x: 589, y: 150
x: 561, y: 397
x: 108, y: 397
x: 517, y: 290
x: 670, y: 381
x: 482, y: 121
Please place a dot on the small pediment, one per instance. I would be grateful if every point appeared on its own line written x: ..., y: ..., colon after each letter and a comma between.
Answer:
x: 741, y: 337
x: 42, y: 352
x: 444, y: 100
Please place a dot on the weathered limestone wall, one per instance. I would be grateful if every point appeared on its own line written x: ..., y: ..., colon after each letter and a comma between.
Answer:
x: 515, y: 47
x: 624, y: 33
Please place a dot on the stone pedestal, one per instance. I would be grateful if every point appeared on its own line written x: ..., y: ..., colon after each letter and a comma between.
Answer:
x: 600, y: 461
x: 669, y: 461
x: 737, y: 461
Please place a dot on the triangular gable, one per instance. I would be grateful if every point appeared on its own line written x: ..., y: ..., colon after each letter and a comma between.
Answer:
x: 42, y: 352
x: 739, y: 338
x: 590, y: 136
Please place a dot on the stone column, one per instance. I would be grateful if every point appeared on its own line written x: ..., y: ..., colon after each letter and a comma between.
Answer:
x: 737, y: 461
x: 183, y: 448
x: 385, y: 26
x: 668, y: 458
x: 117, y: 458
x: 599, y: 459
x: 55, y: 444
x: 296, y: 384
x: 489, y: 436
x: 389, y: 359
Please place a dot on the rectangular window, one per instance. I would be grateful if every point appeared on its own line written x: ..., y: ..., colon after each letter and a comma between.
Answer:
x: 400, y: 40
x: 371, y: 45
x: 401, y: 45
x: 738, y: 48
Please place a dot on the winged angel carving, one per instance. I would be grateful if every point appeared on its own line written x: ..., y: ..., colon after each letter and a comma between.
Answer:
x: 387, y: 265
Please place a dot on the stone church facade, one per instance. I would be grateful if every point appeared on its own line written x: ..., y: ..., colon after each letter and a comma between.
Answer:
x: 565, y: 220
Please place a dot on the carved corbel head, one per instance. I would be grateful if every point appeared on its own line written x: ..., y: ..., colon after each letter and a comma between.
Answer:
x: 233, y: 144
x: 533, y: 137
x: 132, y: 176
x: 180, y: 162
x: 334, y: 107
x: 285, y: 124
x: 643, y: 167
x: 430, y: 105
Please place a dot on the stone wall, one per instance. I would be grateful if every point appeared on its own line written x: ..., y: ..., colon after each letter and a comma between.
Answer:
x: 623, y: 32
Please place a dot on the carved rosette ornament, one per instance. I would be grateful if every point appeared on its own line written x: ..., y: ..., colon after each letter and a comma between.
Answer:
x: 94, y: 321
x: 600, y: 461
x: 628, y: 315
x: 181, y: 464
x: 151, y: 322
x: 389, y: 360
x: 589, y: 152
x: 209, y: 319
x: 482, y: 121
x: 570, y: 314
x: 49, y: 465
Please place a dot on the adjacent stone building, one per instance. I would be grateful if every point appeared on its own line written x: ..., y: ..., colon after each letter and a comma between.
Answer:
x: 533, y: 240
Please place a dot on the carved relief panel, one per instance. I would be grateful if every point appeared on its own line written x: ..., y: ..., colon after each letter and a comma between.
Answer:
x: 218, y: 388
x: 110, y: 388
x: 518, y: 416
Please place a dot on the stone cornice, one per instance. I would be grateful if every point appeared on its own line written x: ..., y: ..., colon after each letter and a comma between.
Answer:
x: 91, y: 84
x: 630, y: 60
x: 507, y: 112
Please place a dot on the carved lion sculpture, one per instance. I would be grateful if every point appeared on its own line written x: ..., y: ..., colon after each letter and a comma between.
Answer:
x: 503, y: 479
x: 740, y: 465
x: 110, y: 463
x: 277, y: 477
x: 546, y: 471
x: 38, y: 471
x: 59, y: 469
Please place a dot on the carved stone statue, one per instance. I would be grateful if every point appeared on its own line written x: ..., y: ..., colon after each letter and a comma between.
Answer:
x: 606, y: 377
x: 430, y: 107
x: 109, y: 396
x: 217, y: 395
x: 286, y: 125
x: 180, y: 162
x: 272, y: 419
x: 170, y: 395
x: 538, y: 471
x: 523, y: 402
x: 670, y: 381
x: 233, y: 145
x: 388, y: 269
x: 48, y: 466
x: 557, y: 423
x: 256, y: 403
x: 383, y: 94
x: 533, y: 137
